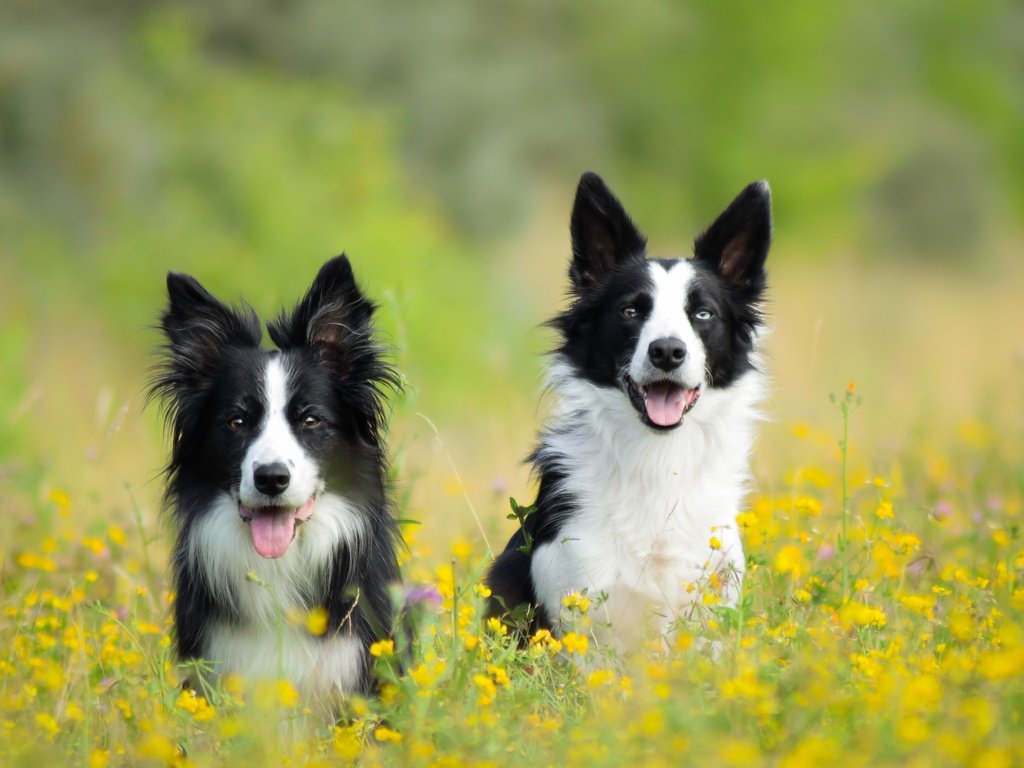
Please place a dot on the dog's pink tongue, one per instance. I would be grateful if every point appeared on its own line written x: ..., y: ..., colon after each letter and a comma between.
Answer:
x: 665, y: 403
x: 272, y: 531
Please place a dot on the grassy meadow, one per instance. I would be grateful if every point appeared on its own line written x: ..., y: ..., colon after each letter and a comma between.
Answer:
x: 882, y: 619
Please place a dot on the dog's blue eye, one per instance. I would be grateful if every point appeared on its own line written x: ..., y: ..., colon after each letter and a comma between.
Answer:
x: 629, y: 312
x: 703, y: 315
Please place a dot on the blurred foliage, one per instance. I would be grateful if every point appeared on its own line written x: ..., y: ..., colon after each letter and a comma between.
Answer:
x: 248, y: 141
x: 159, y: 155
x: 855, y: 110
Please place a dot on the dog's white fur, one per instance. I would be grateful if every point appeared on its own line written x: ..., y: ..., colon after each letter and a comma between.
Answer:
x: 647, y: 503
x: 320, y: 667
x: 265, y: 591
x: 668, y: 319
x: 221, y: 546
x: 277, y: 443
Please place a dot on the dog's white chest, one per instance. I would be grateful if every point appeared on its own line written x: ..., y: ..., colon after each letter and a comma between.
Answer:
x: 645, y: 559
x: 320, y: 667
x: 654, y: 526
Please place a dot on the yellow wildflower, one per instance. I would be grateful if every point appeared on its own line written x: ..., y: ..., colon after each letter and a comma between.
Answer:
x: 160, y: 748
x: 387, y: 736
x: 496, y: 626
x: 48, y: 723
x: 421, y: 675
x: 912, y: 729
x: 652, y: 722
x: 461, y: 550
x: 807, y: 505
x: 196, y: 706
x: 488, y: 690
x: 116, y: 534
x: 789, y: 559
x: 287, y: 696
x: 60, y: 498
x: 576, y: 602
x: 482, y: 590
x: 600, y: 678
x: 383, y: 648
x: 921, y: 604
x: 1002, y: 665
x: 575, y: 643
x: 544, y: 640
x: 860, y: 615
x: 316, y: 621
x: 499, y: 675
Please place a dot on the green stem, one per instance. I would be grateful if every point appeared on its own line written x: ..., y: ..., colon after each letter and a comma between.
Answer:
x: 739, y: 618
x: 455, y: 609
x: 843, y: 541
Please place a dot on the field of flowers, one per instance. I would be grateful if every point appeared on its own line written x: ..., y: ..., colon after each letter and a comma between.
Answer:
x: 882, y: 618
x: 882, y: 622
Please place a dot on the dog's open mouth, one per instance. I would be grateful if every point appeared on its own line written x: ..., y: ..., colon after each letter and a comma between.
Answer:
x: 273, y: 528
x: 662, y: 404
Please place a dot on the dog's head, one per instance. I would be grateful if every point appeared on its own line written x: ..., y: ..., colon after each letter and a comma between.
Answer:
x: 663, y: 330
x: 272, y: 429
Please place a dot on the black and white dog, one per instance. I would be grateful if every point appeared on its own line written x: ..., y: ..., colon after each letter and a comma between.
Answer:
x: 644, y: 462
x: 277, y: 482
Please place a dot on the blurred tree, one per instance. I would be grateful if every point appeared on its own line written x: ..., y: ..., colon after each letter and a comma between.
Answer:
x: 680, y: 102
x: 160, y: 153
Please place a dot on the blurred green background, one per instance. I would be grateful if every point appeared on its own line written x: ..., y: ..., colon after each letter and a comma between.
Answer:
x: 439, y: 144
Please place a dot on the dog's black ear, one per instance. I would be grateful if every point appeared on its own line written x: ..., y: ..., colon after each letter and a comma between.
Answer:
x: 334, y: 319
x: 737, y: 244
x: 332, y: 316
x: 198, y: 328
x: 603, y: 235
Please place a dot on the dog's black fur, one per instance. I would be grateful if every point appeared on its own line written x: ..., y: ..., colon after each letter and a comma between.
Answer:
x: 210, y: 380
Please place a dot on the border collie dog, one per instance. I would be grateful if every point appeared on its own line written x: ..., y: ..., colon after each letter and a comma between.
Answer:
x: 644, y: 462
x: 277, y: 482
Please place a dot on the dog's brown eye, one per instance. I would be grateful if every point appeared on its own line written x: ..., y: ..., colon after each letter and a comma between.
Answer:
x: 629, y: 312
x: 235, y: 422
x: 310, y: 421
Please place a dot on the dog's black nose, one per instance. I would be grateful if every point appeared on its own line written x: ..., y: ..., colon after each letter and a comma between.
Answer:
x: 667, y: 354
x: 271, y: 479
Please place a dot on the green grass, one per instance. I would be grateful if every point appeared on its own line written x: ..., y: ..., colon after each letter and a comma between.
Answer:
x: 882, y: 619
x: 923, y: 662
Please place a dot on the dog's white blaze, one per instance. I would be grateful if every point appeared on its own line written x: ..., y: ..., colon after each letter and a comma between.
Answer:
x: 276, y: 443
x: 221, y: 546
x: 668, y: 319
x: 320, y: 667
x: 647, y: 503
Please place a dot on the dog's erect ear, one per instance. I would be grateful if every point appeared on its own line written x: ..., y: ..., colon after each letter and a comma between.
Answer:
x: 603, y: 235
x: 332, y: 315
x: 736, y: 245
x: 198, y: 328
